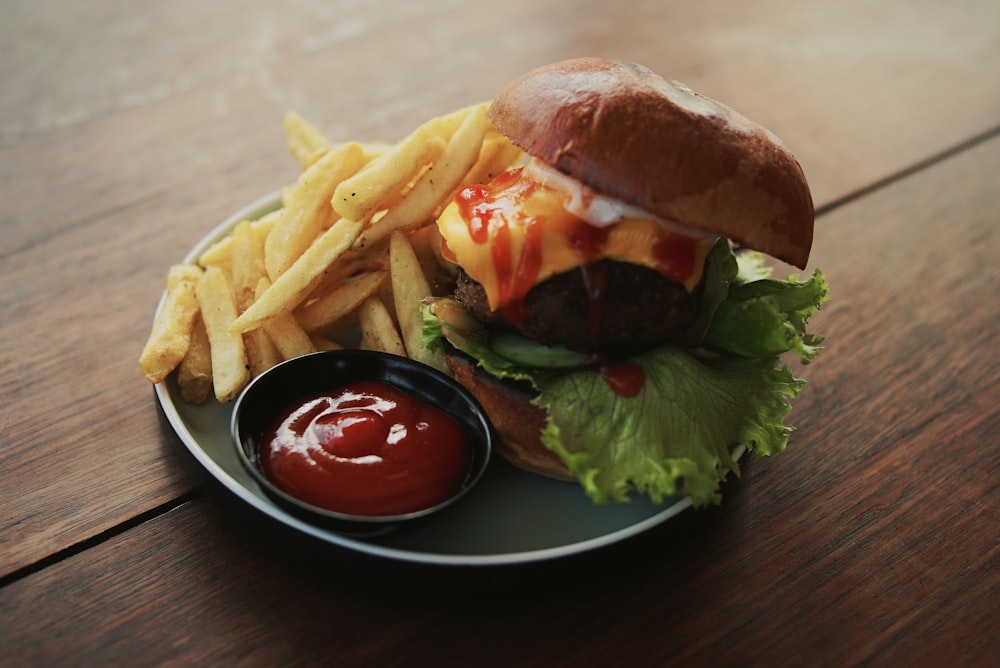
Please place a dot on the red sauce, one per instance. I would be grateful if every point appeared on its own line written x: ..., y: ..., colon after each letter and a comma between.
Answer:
x: 489, y: 210
x: 367, y: 449
x: 625, y: 378
x: 519, y: 282
x: 587, y: 241
x: 675, y: 256
x: 476, y: 215
x: 478, y: 203
x: 480, y: 208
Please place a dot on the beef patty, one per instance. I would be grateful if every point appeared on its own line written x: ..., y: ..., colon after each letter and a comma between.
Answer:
x: 607, y: 307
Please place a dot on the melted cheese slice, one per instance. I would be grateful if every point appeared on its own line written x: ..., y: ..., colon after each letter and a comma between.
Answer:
x: 519, y: 230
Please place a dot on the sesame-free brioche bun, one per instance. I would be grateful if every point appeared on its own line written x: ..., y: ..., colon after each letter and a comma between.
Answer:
x: 517, y: 422
x: 627, y: 133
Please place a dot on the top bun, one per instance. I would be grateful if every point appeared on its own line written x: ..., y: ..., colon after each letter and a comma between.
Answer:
x: 627, y: 133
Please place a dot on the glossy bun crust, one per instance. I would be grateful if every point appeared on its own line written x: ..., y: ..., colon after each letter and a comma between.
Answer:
x: 518, y: 423
x: 630, y: 134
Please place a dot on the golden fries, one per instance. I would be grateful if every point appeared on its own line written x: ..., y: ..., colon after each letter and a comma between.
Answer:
x: 385, y: 178
x: 230, y: 370
x: 305, y: 142
x: 171, y: 335
x: 246, y: 264
x: 306, y: 212
x: 261, y: 351
x: 346, y: 261
x: 194, y: 375
x: 219, y: 252
x: 288, y: 337
x: 437, y: 183
x: 320, y: 342
x: 409, y: 289
x: 293, y: 286
x: 358, y: 197
x: 378, y: 330
x: 496, y: 156
x: 336, y: 304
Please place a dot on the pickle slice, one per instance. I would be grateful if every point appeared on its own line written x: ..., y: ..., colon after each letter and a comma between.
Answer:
x: 535, y: 355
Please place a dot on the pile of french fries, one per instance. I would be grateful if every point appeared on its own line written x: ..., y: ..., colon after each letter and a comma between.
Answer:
x: 345, y: 261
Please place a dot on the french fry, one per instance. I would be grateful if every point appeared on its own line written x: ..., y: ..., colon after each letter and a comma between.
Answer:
x: 219, y: 252
x: 194, y: 375
x: 360, y: 196
x: 428, y: 245
x: 374, y: 149
x: 354, y: 263
x: 320, y: 342
x: 261, y: 351
x: 409, y: 289
x: 348, y: 267
x: 378, y: 331
x: 304, y: 141
x: 306, y: 212
x: 246, y: 262
x: 385, y: 177
x: 496, y: 156
x: 288, y: 338
x: 450, y: 122
x: 171, y: 334
x: 293, y: 286
x: 384, y: 295
x: 247, y: 268
x: 352, y: 247
x: 436, y: 183
x: 337, y: 303
x: 230, y: 371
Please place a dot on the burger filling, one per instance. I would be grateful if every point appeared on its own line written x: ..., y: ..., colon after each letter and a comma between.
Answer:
x: 607, y: 307
x: 542, y: 254
x: 538, y: 265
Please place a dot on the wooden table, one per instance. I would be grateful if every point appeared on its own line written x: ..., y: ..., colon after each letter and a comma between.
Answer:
x: 128, y: 130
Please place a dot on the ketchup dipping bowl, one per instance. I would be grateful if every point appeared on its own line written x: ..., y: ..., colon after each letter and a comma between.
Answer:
x: 359, y: 440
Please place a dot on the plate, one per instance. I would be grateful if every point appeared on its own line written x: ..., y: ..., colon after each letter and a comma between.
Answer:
x: 511, y: 517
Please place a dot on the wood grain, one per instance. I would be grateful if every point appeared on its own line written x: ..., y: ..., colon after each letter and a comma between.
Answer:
x: 126, y: 134
x: 870, y: 540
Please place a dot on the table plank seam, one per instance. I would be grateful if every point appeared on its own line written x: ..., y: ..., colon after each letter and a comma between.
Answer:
x: 906, y: 172
x: 97, y: 539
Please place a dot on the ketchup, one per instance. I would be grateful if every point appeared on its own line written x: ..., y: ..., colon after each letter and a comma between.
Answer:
x: 587, y: 242
x: 481, y: 208
x: 367, y: 449
x: 491, y: 210
x: 675, y: 257
x: 624, y: 378
x: 524, y: 276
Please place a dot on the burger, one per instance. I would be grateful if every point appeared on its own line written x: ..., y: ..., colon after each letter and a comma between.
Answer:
x: 612, y: 308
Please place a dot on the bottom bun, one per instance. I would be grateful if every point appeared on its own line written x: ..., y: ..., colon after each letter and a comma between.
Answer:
x: 517, y: 421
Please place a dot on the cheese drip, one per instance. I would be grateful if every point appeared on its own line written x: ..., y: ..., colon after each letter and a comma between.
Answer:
x: 533, y: 222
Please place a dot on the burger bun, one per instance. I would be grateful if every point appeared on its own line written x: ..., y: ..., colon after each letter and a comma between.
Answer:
x: 630, y: 134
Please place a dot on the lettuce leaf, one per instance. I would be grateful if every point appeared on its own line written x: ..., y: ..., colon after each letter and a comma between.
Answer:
x: 763, y: 317
x: 674, y: 437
